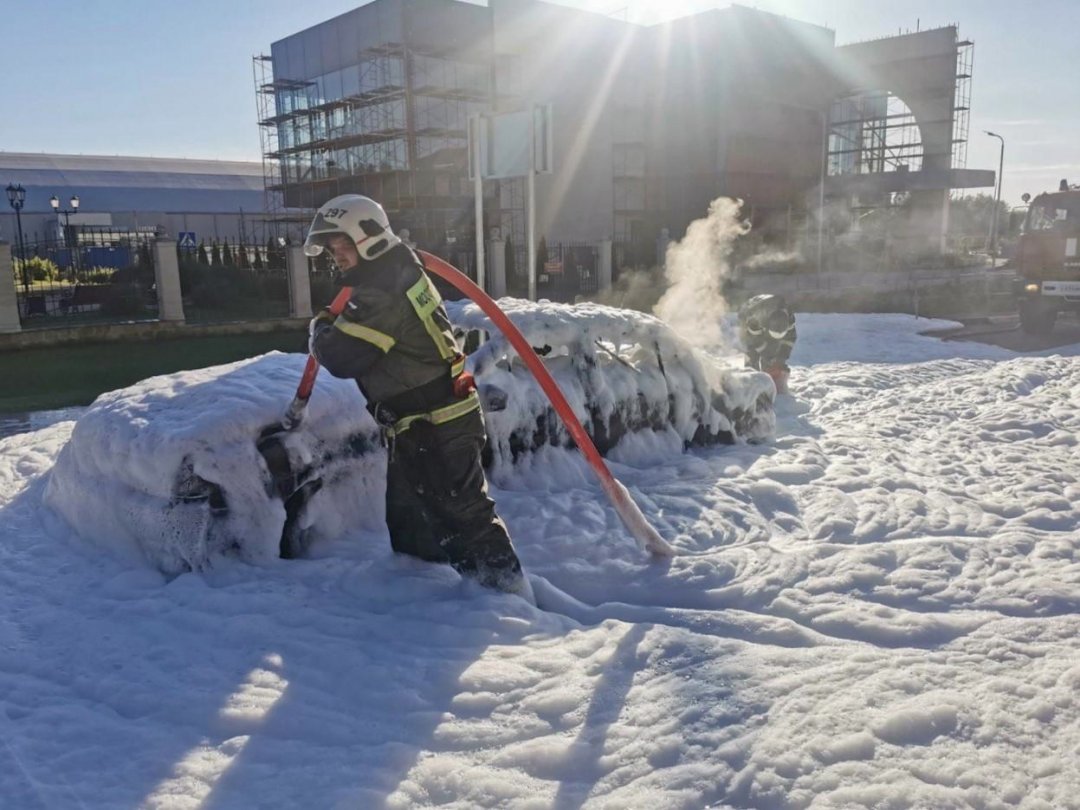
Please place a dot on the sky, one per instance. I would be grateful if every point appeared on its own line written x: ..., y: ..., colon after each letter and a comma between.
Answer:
x: 146, y: 77
x: 878, y: 606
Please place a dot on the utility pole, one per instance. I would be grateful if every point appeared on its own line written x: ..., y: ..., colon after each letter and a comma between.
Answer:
x: 997, y: 194
x: 821, y: 189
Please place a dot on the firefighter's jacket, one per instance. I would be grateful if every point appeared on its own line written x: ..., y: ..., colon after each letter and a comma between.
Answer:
x: 767, y: 328
x: 393, y: 338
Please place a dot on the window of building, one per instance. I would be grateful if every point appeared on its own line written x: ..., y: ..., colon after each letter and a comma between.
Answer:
x: 508, y: 75
x: 628, y: 160
x: 629, y: 194
x: 330, y: 86
x: 381, y: 73
x: 350, y: 81
x: 628, y: 124
x: 433, y: 151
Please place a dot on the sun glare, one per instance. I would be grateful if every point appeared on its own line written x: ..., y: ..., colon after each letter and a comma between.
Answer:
x: 648, y: 12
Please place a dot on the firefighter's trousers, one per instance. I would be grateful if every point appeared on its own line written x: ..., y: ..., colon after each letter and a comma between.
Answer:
x: 437, y: 506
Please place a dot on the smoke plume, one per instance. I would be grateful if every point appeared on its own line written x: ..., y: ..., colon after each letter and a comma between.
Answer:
x: 696, y: 267
x: 636, y: 288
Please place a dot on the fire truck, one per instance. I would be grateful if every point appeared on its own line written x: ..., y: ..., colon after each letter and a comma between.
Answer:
x: 1048, y: 259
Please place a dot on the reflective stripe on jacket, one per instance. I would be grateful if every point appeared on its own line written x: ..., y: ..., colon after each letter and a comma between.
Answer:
x: 394, y: 337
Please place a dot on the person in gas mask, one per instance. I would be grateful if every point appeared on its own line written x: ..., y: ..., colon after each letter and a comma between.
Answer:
x: 767, y: 328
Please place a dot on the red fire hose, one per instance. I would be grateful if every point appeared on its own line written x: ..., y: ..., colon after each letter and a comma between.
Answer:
x: 295, y: 412
x: 627, y: 510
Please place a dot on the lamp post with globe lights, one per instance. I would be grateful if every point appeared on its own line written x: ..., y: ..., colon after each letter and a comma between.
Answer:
x: 16, y: 195
x: 70, y: 243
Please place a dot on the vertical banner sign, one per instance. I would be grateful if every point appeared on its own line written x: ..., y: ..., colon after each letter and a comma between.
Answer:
x: 511, y: 145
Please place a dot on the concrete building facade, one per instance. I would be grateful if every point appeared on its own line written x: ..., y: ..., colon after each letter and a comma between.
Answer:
x: 651, y: 123
x: 375, y: 101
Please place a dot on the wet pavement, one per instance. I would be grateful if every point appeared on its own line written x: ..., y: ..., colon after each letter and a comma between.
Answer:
x: 13, y: 423
x: 1005, y: 331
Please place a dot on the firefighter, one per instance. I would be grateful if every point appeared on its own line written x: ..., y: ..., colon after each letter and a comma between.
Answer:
x: 767, y: 327
x: 395, y: 340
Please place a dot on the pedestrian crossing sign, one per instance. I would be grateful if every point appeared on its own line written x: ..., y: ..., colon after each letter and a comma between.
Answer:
x: 187, y: 240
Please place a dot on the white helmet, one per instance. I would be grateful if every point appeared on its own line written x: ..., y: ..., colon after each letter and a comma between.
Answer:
x: 360, y: 218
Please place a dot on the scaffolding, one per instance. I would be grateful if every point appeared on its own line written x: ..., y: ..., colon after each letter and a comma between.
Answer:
x: 871, y: 133
x: 395, y: 130
x: 309, y: 139
x: 965, y: 51
x: 278, y: 101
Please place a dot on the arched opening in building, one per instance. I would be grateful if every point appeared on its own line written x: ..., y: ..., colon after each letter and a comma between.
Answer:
x: 872, y: 132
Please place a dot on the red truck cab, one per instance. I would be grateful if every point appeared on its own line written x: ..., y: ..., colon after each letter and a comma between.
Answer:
x: 1048, y: 259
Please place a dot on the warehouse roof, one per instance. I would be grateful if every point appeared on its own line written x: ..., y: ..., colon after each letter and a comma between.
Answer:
x: 125, y: 183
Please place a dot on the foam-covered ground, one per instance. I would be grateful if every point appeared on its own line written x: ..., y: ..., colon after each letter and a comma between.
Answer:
x: 879, y: 608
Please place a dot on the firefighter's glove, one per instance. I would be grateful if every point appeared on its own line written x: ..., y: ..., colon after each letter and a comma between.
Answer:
x: 321, y: 321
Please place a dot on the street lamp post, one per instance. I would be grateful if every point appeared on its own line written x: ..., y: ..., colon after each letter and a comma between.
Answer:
x: 997, y: 194
x: 16, y: 197
x: 821, y: 184
x: 67, y: 212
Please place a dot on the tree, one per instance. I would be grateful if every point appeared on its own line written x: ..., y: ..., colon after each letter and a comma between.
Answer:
x: 203, y: 257
x: 215, y: 255
x: 242, y: 260
x: 227, y: 254
x: 970, y: 217
x: 258, y: 262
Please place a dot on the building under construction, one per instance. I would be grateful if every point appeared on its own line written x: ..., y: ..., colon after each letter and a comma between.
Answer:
x: 651, y: 123
x: 898, y: 127
x: 376, y: 102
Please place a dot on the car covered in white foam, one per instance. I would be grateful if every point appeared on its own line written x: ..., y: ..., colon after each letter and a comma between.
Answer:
x: 177, y: 454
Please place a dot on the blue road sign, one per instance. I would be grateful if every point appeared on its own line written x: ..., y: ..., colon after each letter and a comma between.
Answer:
x: 187, y: 240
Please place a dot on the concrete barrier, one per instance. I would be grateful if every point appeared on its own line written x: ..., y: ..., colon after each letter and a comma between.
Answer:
x: 167, y: 281
x: 142, y: 331
x: 296, y: 266
x: 9, y: 296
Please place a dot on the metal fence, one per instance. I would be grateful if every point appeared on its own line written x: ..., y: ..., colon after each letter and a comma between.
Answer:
x: 101, y: 275
x: 463, y: 260
x: 233, y: 282
x: 88, y: 275
x: 566, y: 271
x: 323, y: 279
x: 628, y: 256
